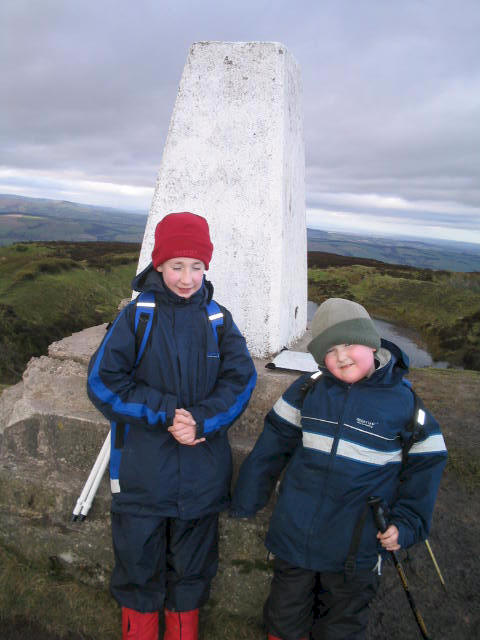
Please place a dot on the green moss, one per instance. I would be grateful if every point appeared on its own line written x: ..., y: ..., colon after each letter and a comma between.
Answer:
x: 247, y: 566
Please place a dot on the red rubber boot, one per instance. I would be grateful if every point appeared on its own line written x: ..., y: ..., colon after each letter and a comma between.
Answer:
x: 139, y: 626
x: 181, y: 625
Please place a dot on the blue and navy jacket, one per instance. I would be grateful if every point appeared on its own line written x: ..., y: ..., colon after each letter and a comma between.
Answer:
x: 183, y: 366
x: 340, y: 444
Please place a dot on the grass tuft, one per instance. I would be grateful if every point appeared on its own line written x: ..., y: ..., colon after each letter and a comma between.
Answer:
x: 466, y: 466
x: 53, y: 605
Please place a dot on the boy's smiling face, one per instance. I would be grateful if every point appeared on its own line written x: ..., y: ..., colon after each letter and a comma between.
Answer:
x: 350, y: 362
x: 183, y: 276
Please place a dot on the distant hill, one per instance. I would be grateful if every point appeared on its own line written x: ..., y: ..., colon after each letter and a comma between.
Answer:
x: 438, y: 254
x: 41, y: 219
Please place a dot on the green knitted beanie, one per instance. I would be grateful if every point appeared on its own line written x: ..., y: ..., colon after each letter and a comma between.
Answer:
x: 339, y: 321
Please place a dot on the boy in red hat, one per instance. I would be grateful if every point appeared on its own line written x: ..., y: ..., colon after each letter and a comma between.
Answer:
x: 170, y: 464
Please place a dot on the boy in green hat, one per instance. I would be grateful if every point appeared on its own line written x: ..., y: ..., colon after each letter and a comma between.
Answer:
x: 342, y: 435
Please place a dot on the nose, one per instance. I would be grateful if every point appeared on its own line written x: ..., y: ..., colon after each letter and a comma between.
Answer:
x: 342, y: 355
x: 186, y: 276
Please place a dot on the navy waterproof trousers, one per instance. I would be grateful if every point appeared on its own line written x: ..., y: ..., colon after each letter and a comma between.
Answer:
x: 163, y: 562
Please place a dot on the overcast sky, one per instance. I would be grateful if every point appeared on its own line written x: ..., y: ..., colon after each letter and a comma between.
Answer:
x: 391, y: 95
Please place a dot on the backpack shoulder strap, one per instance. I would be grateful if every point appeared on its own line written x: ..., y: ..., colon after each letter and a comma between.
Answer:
x: 308, y: 385
x: 145, y: 307
x: 215, y: 317
x: 415, y: 425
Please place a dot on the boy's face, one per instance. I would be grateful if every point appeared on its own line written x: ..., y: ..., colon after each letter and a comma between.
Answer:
x: 350, y: 362
x: 183, y: 276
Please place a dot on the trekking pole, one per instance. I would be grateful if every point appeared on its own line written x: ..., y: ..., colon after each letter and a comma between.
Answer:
x: 93, y: 489
x: 435, y: 564
x: 99, y: 465
x: 381, y: 523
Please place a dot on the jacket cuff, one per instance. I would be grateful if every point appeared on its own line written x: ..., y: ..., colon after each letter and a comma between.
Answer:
x: 404, y: 535
x: 199, y: 433
x: 171, y: 405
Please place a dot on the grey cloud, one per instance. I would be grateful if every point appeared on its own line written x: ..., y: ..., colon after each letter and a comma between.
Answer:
x: 391, y: 90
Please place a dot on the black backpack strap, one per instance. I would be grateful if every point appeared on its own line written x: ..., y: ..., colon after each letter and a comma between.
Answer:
x: 351, y: 561
x: 309, y: 384
x: 414, y: 428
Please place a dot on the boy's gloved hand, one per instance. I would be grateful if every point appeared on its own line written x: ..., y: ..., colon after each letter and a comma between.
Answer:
x: 184, y: 429
x: 389, y: 538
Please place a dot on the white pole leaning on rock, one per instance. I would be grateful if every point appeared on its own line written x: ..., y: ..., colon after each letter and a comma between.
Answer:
x: 85, y: 500
x: 235, y: 154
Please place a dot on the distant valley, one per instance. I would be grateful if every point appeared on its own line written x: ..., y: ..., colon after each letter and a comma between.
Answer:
x: 38, y: 219
x: 438, y: 254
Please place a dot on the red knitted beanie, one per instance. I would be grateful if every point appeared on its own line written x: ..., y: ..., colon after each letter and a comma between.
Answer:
x: 182, y: 235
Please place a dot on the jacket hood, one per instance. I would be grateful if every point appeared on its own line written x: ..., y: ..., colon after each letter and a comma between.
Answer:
x: 392, y: 364
x: 401, y: 359
x: 151, y: 280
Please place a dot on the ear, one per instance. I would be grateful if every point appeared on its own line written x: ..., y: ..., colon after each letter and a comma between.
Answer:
x: 159, y: 268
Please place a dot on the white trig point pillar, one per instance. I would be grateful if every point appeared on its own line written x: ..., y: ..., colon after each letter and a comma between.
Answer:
x: 235, y: 154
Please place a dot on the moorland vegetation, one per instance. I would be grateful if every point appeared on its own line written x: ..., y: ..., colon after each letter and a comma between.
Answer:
x: 52, y: 289
x: 443, y: 307
x: 48, y: 290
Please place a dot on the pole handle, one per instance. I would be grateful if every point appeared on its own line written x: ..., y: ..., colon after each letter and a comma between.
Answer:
x: 378, y: 513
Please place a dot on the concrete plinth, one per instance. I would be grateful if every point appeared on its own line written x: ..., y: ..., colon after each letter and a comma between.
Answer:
x: 235, y: 154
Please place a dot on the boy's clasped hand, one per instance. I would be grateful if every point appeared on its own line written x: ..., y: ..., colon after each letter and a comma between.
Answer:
x: 184, y: 428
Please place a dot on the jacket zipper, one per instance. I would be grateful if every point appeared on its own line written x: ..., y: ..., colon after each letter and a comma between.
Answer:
x: 331, y: 461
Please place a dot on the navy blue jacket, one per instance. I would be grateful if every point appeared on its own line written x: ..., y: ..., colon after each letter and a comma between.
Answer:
x: 341, y: 444
x: 182, y: 367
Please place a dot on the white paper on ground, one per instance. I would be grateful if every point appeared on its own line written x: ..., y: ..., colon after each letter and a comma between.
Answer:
x: 294, y: 360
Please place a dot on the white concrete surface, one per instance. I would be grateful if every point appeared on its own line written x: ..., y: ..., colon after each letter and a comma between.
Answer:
x: 235, y: 154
